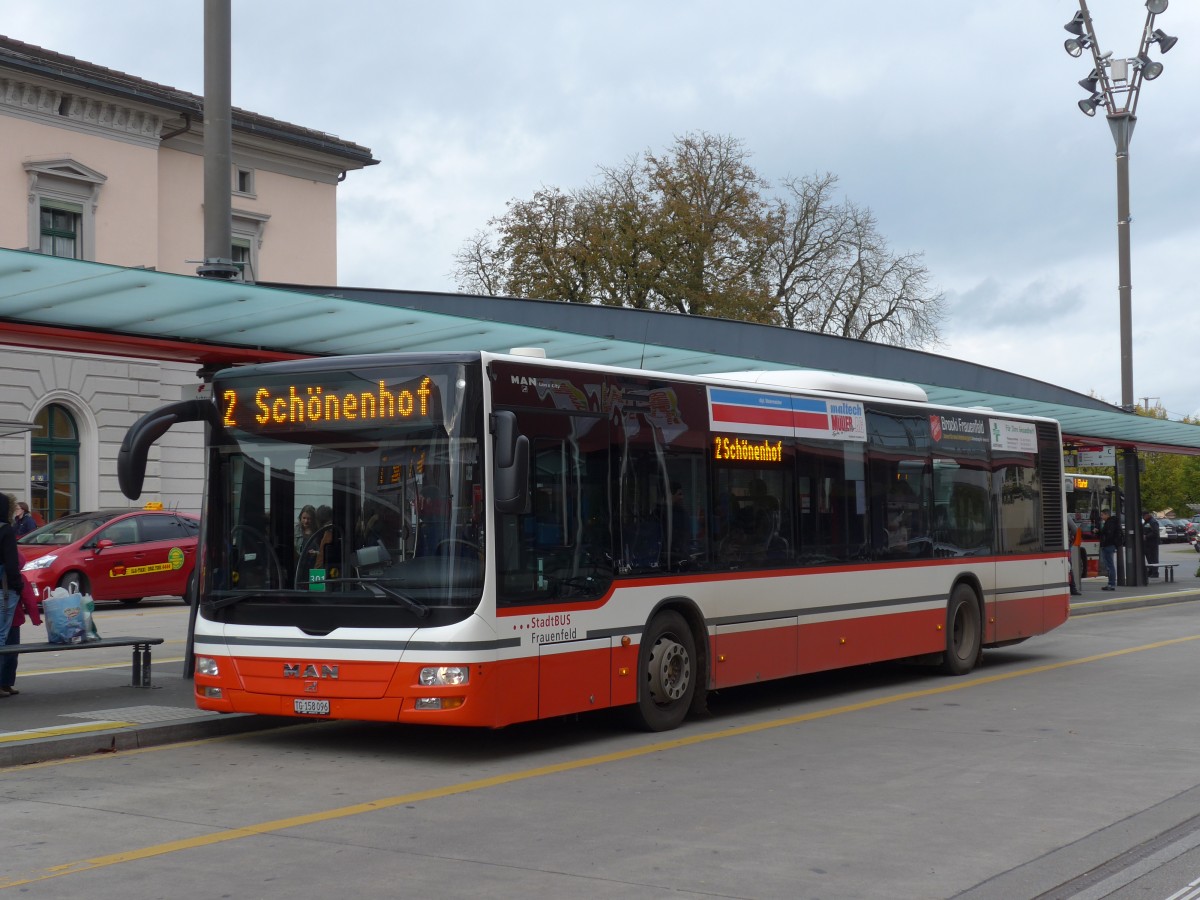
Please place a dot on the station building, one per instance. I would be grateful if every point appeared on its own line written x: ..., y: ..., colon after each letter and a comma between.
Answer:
x: 99, y: 165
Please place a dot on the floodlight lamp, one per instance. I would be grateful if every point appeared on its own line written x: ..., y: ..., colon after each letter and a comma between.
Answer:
x: 1150, y: 69
x: 1075, y: 26
x: 1088, y: 106
x: 1089, y: 83
x: 1156, y: 6
x: 1076, y: 46
x: 1164, y: 40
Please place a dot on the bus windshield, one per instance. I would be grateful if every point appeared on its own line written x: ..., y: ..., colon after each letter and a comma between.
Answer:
x: 346, y: 498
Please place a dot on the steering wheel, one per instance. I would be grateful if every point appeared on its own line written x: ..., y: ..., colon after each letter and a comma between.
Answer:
x: 255, y: 535
x: 311, y: 543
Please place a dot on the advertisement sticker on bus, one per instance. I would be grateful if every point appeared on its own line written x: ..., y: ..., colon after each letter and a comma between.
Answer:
x: 1018, y: 436
x: 959, y: 433
x: 758, y: 412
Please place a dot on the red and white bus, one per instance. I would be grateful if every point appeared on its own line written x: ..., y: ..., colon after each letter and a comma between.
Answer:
x: 503, y: 538
x: 1085, y: 496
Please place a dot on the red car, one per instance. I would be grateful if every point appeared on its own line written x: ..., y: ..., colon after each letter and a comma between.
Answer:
x: 113, y: 554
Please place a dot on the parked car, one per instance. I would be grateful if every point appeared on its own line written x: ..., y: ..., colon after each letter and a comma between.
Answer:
x: 113, y: 554
x: 1166, y: 530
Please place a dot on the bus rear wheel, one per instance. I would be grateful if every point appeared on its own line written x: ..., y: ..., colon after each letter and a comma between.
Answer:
x: 667, y: 673
x: 964, y: 632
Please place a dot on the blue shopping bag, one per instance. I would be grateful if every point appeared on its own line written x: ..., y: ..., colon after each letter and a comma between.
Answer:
x: 65, y: 623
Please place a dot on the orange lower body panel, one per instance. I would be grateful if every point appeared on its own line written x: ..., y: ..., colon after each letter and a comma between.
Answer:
x: 497, y: 693
x: 505, y: 692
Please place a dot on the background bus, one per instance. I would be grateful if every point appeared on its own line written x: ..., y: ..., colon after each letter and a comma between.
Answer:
x: 1086, y: 495
x: 502, y: 538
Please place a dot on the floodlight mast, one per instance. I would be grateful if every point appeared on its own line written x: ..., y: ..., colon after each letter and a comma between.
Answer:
x: 1117, y: 85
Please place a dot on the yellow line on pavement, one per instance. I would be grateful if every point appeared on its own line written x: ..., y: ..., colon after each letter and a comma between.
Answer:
x: 60, y: 731
x: 124, y: 664
x: 234, y: 834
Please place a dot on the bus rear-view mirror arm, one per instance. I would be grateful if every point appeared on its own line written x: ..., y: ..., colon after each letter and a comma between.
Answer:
x: 511, y: 463
x: 131, y: 458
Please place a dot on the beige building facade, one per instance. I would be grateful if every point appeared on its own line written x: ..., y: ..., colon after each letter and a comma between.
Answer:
x: 102, y: 166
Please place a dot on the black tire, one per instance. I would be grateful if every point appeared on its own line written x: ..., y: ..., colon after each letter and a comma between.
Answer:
x: 667, y: 673
x: 75, y: 583
x: 964, y: 632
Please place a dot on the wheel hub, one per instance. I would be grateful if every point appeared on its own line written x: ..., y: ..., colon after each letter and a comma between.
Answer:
x: 670, y: 671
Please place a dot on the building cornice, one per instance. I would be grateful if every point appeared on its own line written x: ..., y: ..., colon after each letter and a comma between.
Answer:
x: 75, y: 77
x: 50, y: 105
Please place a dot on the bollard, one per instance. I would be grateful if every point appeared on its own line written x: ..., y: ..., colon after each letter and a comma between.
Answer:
x: 141, y: 666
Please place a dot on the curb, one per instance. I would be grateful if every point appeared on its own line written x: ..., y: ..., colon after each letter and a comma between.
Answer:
x: 53, y: 748
x: 1117, y: 603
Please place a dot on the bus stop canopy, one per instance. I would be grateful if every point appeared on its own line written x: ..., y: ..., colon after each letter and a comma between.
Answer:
x: 87, y: 307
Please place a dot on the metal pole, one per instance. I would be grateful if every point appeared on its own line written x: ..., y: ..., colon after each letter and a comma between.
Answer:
x: 1121, y: 124
x: 1135, y: 569
x: 218, y: 143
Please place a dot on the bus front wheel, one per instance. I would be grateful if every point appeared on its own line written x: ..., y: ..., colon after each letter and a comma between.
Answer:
x: 964, y: 632
x: 667, y: 667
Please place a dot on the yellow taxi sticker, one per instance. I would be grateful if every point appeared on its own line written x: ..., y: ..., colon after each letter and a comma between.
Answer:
x: 173, y: 564
x: 126, y: 571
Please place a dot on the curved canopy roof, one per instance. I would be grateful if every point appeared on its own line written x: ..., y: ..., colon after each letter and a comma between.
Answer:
x: 89, y: 307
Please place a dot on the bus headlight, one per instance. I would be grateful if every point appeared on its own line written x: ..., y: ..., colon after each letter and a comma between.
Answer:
x: 206, y: 665
x: 436, y: 676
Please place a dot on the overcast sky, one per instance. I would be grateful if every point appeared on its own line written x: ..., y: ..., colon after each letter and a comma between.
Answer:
x: 956, y: 123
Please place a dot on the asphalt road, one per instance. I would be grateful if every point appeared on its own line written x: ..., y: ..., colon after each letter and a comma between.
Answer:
x: 1071, y: 754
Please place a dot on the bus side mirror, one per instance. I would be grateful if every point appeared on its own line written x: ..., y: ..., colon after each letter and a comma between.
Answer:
x: 131, y: 458
x: 511, y: 463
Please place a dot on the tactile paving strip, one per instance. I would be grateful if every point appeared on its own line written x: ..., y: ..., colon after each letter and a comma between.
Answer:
x: 142, y: 715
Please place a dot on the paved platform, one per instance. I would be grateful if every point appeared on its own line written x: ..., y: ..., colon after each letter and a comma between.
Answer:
x: 77, y: 703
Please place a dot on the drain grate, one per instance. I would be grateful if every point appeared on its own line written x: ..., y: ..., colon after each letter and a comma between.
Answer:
x: 142, y: 715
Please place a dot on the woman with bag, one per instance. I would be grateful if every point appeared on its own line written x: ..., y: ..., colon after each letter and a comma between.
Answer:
x: 27, y: 605
x: 11, y: 581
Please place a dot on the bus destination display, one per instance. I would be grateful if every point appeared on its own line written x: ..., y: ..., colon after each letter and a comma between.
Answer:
x: 289, y: 406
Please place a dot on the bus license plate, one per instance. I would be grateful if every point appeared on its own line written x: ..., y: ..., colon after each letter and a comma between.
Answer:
x: 311, y: 707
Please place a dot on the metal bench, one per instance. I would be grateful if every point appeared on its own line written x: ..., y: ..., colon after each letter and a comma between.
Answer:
x: 140, y: 645
x: 1168, y: 570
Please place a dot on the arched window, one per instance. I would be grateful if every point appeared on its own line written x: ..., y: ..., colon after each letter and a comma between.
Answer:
x: 54, y: 464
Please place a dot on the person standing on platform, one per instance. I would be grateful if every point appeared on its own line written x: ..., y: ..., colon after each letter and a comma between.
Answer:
x: 23, y: 520
x: 1110, y: 540
x: 1150, y: 543
x: 1076, y: 541
x: 11, y: 580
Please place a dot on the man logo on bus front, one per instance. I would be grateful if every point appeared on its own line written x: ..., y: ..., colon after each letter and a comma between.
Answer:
x: 293, y: 670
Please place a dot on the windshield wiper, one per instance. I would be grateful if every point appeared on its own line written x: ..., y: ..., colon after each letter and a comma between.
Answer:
x: 419, y: 609
x: 232, y: 598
